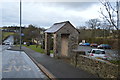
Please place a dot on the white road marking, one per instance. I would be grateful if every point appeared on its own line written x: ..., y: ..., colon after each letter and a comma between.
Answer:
x: 26, y: 68
x: 9, y: 69
x: 17, y: 68
x: 18, y: 65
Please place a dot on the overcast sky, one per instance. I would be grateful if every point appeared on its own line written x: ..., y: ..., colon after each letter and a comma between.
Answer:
x: 45, y: 14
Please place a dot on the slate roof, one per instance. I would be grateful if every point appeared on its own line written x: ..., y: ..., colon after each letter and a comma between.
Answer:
x: 56, y: 27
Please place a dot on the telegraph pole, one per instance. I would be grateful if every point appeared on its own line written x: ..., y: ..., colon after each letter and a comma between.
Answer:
x: 118, y: 22
x: 118, y: 14
x: 20, y: 25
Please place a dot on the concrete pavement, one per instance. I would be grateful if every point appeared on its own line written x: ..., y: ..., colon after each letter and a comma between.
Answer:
x: 56, y: 68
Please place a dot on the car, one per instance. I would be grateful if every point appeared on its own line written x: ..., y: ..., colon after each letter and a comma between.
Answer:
x: 93, y: 45
x: 104, y: 46
x: 7, y: 43
x: 97, y: 53
x: 3, y: 43
x: 84, y: 44
x: 81, y: 44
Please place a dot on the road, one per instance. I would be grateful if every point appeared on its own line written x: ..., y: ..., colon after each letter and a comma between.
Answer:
x: 16, y: 64
x: 0, y: 62
x: 10, y: 40
x: 112, y: 54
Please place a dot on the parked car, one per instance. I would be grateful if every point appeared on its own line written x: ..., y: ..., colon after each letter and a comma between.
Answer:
x: 84, y: 44
x: 81, y: 44
x: 3, y: 43
x: 97, y: 53
x: 7, y: 43
x: 104, y: 46
x: 93, y: 45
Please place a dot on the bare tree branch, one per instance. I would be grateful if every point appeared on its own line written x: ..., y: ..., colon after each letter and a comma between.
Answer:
x: 112, y: 8
x: 110, y: 12
x: 105, y: 17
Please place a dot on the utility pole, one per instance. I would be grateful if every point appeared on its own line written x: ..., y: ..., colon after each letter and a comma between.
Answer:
x: 118, y: 14
x: 20, y: 26
x: 118, y: 21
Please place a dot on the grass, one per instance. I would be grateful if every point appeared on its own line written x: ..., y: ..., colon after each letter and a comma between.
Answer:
x: 6, y: 34
x: 37, y: 49
x: 115, y: 62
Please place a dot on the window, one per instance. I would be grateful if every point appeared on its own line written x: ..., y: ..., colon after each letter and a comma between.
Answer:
x: 99, y: 52
x: 102, y: 52
x: 93, y: 51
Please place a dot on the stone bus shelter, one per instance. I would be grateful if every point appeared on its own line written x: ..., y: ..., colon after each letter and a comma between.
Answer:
x: 65, y: 38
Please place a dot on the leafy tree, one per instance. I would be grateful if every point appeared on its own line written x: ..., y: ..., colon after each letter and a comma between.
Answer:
x: 33, y: 33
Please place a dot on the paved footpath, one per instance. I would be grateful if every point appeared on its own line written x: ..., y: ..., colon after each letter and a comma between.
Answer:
x: 55, y: 68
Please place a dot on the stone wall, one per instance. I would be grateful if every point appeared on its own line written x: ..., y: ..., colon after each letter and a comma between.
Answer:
x: 47, y: 43
x: 72, y: 40
x: 100, y: 68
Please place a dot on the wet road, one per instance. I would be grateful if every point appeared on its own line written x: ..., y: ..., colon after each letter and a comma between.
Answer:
x: 16, y: 64
x: 10, y: 40
x: 112, y: 54
x: 0, y: 62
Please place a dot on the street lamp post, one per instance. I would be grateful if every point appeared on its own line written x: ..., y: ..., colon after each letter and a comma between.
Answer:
x: 20, y: 25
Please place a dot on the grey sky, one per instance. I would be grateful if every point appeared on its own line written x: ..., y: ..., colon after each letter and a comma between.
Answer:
x: 44, y: 14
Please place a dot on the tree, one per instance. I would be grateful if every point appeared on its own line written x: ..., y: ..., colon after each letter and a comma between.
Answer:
x: 33, y: 33
x: 93, y: 23
x: 112, y: 13
x: 112, y: 16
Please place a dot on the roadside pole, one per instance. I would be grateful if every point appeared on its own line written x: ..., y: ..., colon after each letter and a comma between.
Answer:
x: 20, y: 26
x: 118, y: 23
x: 118, y: 14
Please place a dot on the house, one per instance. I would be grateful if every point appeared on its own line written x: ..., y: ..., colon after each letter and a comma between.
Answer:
x: 65, y: 39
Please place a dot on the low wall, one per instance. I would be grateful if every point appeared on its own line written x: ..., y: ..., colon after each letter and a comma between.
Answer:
x: 101, y: 68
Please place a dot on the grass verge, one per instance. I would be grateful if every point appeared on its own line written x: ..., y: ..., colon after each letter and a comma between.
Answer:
x: 6, y: 34
x: 115, y: 62
x: 37, y: 49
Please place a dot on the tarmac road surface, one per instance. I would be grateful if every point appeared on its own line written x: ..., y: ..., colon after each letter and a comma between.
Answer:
x: 16, y: 64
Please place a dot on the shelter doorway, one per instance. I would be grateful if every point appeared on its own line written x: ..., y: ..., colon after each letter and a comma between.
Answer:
x: 64, y: 44
x: 51, y: 44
